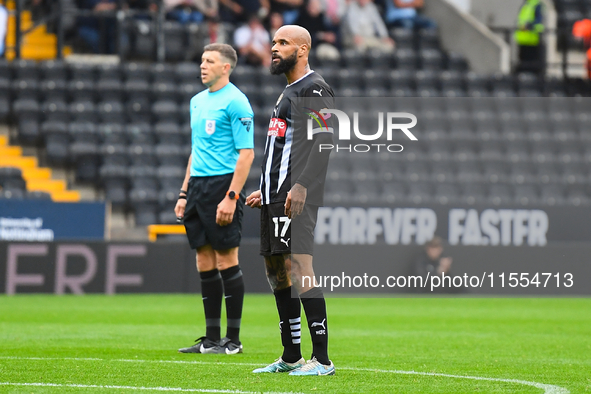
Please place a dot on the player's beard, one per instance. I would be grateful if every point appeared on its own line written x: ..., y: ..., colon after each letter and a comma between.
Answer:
x: 284, y: 65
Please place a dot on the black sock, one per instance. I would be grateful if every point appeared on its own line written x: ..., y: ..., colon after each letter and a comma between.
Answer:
x: 315, y: 309
x: 234, y: 290
x: 212, y: 291
x: 290, y: 324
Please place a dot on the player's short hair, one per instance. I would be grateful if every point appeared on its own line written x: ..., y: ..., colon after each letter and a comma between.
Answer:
x: 226, y: 51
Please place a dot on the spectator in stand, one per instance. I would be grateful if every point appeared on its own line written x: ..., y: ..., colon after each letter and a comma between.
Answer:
x: 253, y: 43
x: 147, y: 6
x: 530, y: 26
x: 238, y: 11
x: 405, y: 13
x: 325, y: 41
x: 98, y: 30
x: 3, y: 26
x: 582, y: 32
x: 275, y: 22
x: 289, y: 9
x: 334, y: 11
x: 190, y: 11
x: 367, y: 28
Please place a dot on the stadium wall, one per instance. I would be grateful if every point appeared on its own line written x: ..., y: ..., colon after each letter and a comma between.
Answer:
x: 464, y: 34
x: 169, y: 267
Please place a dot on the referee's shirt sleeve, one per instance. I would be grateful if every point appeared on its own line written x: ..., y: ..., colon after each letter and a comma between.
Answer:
x: 242, y: 119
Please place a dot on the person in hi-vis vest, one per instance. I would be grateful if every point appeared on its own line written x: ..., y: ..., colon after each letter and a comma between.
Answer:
x: 528, y: 37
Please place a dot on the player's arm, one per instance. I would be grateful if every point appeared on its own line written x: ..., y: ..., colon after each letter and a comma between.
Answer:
x: 317, y: 160
x: 181, y: 203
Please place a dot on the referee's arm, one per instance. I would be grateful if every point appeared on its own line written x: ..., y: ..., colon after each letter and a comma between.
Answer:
x: 225, y: 211
x: 181, y: 203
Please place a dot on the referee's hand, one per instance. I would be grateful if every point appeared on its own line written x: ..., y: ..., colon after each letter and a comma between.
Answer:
x: 179, y: 209
x: 225, y: 212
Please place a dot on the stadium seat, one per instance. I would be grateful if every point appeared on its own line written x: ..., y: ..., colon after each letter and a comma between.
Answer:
x: 552, y: 195
x: 109, y: 89
x: 189, y: 72
x: 28, y: 132
x: 57, y: 149
x: 111, y: 111
x: 25, y: 69
x: 165, y: 111
x: 447, y: 193
x: 175, y: 41
x: 394, y: 192
x: 54, y: 90
x: 406, y: 59
x: 109, y: 71
x: 500, y: 194
x: 420, y: 193
x: 56, y: 110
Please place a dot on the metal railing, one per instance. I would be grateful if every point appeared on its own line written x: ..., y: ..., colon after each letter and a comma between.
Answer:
x: 120, y: 15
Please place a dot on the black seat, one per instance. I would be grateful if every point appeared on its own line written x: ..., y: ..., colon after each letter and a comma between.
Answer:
x: 189, y: 72
x: 499, y: 194
x: 54, y: 89
x: 53, y: 70
x: 420, y: 192
x: 552, y: 194
x: 447, y: 193
x: 165, y: 111
x: 109, y: 89
x: 109, y: 71
x: 169, y: 132
x: 25, y: 69
x: 473, y: 193
x: 111, y: 111
x: 56, y: 110
x: 175, y: 41
x: 163, y: 73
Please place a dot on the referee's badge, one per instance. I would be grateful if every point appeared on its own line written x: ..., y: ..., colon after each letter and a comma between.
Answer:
x: 210, y: 126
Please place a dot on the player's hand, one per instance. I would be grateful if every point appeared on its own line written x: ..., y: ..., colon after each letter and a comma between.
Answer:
x: 225, y: 212
x: 254, y: 199
x: 296, y: 198
x: 179, y: 209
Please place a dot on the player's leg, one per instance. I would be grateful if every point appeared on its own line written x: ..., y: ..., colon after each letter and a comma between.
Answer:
x: 212, y: 293
x: 302, y: 277
x: 290, y: 321
x: 227, y: 264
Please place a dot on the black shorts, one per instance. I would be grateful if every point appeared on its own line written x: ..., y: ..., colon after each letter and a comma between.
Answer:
x: 281, y: 235
x: 203, y: 196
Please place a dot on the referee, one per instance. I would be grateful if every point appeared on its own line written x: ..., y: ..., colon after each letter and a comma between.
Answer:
x: 211, y: 200
x: 292, y: 189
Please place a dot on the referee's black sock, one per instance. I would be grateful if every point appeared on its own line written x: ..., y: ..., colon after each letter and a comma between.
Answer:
x: 315, y: 308
x: 234, y: 290
x: 212, y: 291
x: 290, y: 324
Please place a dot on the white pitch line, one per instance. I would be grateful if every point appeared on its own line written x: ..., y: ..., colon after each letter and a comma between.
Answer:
x: 548, y: 388
x: 96, y: 386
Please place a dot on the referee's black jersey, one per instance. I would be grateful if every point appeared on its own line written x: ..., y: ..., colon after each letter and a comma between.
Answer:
x: 288, y: 148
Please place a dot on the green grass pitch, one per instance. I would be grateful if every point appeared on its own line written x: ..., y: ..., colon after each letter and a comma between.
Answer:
x: 128, y: 344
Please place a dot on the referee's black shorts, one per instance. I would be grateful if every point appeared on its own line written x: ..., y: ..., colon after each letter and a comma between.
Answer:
x: 281, y: 235
x: 203, y: 196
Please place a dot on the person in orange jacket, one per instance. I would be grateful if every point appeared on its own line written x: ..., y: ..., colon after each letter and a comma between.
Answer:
x: 582, y: 31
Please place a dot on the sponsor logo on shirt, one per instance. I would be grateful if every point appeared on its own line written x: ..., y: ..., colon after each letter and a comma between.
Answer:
x: 210, y: 126
x: 277, y: 127
x: 246, y: 122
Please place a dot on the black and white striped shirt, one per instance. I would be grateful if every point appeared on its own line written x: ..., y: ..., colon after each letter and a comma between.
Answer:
x: 288, y: 150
